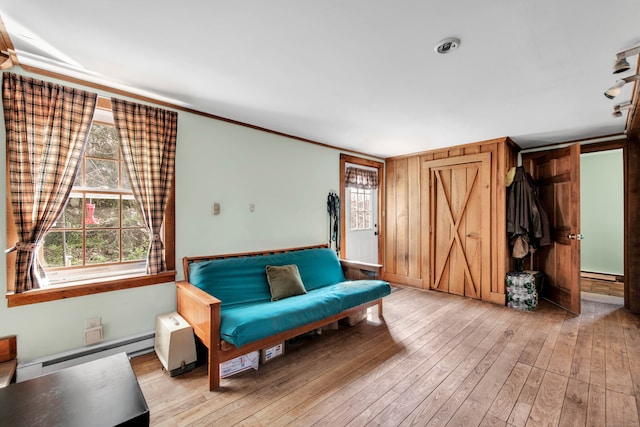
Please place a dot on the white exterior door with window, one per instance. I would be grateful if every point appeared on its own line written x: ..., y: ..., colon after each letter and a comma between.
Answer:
x: 361, y: 226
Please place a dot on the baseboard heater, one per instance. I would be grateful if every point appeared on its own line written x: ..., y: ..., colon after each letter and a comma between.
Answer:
x: 134, y: 345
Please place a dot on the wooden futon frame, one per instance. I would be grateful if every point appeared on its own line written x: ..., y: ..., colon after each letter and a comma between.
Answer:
x: 202, y: 311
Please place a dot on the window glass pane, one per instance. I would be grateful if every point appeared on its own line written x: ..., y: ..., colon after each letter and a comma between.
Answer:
x: 360, y: 220
x: 131, y: 213
x: 367, y: 220
x: 102, y: 246
x: 103, y: 142
x: 71, y: 217
x: 102, y: 211
x: 135, y: 244
x: 62, y: 249
x: 77, y: 181
x: 102, y: 174
x: 125, y: 183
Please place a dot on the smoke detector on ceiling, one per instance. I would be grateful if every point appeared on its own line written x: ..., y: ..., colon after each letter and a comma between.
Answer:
x: 447, y: 45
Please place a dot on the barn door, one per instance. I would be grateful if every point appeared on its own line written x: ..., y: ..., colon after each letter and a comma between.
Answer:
x: 557, y: 176
x: 459, y: 224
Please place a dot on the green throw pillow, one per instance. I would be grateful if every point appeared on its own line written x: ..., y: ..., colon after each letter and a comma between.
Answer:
x: 284, y: 281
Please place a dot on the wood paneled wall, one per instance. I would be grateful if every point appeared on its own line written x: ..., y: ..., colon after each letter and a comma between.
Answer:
x: 632, y: 222
x: 405, y: 212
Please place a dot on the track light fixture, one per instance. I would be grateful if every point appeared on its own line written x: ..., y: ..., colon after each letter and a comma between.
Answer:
x: 614, y: 90
x: 622, y: 64
x: 617, y: 109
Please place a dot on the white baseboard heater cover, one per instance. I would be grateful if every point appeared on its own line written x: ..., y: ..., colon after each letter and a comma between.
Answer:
x: 134, y: 345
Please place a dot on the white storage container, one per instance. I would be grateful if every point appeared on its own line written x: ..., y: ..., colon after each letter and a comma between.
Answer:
x: 175, y: 344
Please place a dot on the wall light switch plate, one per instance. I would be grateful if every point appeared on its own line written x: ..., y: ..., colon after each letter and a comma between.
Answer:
x: 92, y: 322
x: 215, y: 208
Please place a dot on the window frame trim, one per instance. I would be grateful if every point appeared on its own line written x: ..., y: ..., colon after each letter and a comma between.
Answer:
x: 63, y: 292
x: 99, y: 286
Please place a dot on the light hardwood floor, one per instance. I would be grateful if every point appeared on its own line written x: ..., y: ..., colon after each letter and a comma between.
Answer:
x: 435, y: 360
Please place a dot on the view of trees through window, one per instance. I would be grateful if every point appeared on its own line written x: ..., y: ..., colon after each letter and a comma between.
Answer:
x: 360, y: 209
x: 101, y: 223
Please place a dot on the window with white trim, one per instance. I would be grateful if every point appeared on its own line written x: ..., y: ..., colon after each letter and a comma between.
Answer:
x: 99, y: 243
x: 360, y: 209
x: 101, y: 232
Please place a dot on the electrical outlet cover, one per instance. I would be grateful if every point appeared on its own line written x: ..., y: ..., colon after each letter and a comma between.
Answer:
x: 93, y: 335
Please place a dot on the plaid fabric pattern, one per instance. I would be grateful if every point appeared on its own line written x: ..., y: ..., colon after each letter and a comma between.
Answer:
x: 148, y: 143
x: 365, y: 179
x: 47, y: 126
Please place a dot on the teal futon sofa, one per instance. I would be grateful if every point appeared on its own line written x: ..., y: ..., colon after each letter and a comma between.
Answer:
x: 240, y: 303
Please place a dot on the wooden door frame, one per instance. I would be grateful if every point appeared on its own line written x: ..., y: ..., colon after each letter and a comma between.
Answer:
x: 631, y: 160
x: 379, y: 166
x: 631, y: 203
x: 630, y: 146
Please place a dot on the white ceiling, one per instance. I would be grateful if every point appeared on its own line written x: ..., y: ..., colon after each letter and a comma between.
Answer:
x: 357, y: 74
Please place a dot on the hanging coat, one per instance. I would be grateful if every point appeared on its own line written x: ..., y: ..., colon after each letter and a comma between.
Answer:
x: 527, y: 222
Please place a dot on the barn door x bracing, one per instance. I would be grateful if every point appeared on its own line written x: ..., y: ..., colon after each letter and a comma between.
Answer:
x: 459, y: 224
x: 557, y: 176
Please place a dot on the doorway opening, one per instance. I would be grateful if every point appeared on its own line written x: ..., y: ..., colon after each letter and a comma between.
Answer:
x: 602, y: 223
x: 361, y: 223
x: 558, y: 174
x: 362, y: 211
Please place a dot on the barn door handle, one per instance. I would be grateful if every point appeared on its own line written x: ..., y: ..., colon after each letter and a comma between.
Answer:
x: 575, y: 237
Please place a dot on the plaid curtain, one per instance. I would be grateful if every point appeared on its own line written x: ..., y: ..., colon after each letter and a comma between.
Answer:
x: 148, y: 143
x: 47, y: 126
x: 361, y: 178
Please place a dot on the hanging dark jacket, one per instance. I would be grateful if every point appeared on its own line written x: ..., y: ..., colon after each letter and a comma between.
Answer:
x: 526, y: 218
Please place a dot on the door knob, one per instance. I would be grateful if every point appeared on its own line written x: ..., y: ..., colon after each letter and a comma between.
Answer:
x: 575, y: 236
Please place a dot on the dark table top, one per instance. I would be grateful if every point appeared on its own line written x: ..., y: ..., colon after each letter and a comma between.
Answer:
x: 104, y: 392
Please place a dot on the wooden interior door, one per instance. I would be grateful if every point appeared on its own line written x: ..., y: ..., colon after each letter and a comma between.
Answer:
x: 557, y: 176
x: 460, y: 224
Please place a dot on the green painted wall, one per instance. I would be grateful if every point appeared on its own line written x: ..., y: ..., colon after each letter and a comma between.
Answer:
x: 287, y: 181
x: 602, y: 212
